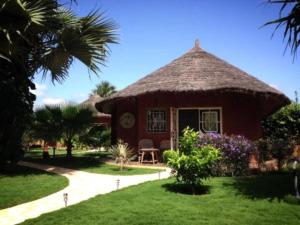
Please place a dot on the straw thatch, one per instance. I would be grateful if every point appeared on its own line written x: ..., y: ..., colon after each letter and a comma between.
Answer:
x: 91, y: 102
x: 200, y: 71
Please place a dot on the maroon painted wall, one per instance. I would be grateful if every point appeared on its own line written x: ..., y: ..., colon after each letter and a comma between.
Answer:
x: 104, y: 120
x: 241, y: 113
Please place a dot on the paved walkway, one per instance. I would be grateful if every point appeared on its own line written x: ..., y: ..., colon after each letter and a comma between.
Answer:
x: 82, y: 186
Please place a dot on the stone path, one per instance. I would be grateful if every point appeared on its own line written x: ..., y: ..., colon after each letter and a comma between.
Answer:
x: 82, y: 186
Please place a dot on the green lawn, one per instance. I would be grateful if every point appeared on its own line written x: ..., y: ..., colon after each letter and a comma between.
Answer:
x: 23, y: 184
x: 90, y: 162
x: 255, y: 200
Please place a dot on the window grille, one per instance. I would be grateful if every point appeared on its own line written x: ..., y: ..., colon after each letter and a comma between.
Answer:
x: 156, y: 121
x: 210, y: 120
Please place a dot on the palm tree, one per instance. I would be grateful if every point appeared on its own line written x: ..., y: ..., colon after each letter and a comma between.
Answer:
x: 47, y: 125
x: 52, y: 123
x: 104, y: 89
x: 290, y: 22
x: 76, y: 121
x: 41, y: 35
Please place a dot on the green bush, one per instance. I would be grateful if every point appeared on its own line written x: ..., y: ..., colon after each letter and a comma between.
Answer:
x: 235, y: 151
x: 291, y: 199
x: 284, y: 124
x: 281, y: 133
x: 97, y: 136
x: 191, y: 163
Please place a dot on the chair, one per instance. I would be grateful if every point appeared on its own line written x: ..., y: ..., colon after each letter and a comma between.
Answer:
x: 164, y: 145
x: 144, y: 143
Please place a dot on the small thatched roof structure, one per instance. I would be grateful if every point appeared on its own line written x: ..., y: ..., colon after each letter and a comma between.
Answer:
x: 91, y: 102
x: 197, y: 71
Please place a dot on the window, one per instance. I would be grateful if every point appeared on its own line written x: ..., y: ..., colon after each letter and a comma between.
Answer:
x: 156, y: 121
x: 210, y: 120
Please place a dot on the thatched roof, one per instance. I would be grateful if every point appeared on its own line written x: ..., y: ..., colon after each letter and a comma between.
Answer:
x: 90, y: 103
x: 197, y: 70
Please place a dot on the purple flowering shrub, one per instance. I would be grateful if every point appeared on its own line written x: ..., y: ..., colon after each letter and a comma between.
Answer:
x: 235, y: 151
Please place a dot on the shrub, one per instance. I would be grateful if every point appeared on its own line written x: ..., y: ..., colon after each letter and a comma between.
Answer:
x: 122, y: 153
x: 282, y: 132
x: 284, y: 124
x: 191, y: 162
x: 291, y: 199
x: 235, y: 151
x: 263, y: 146
x: 96, y: 136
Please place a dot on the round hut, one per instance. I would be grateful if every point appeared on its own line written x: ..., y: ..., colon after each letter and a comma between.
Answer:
x: 198, y: 90
x: 99, y: 118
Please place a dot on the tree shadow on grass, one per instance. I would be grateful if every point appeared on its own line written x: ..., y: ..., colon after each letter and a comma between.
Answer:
x: 16, y: 170
x: 186, y: 189
x: 272, y: 187
x: 74, y: 162
x: 117, y: 169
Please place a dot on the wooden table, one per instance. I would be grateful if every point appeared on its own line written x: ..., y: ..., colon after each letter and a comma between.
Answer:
x: 152, y: 151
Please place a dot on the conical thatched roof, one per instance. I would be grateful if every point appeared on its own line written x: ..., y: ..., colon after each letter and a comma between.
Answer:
x: 197, y: 70
x: 91, y: 102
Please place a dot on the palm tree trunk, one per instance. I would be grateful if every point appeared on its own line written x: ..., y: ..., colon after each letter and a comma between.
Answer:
x: 69, y: 148
x: 193, y: 186
x: 53, y: 150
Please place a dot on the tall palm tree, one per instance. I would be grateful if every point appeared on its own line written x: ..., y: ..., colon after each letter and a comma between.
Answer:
x: 104, y: 89
x: 41, y: 35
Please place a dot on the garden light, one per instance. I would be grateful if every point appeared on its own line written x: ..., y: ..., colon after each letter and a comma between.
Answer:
x: 65, y: 195
x: 118, y: 183
x: 296, y: 178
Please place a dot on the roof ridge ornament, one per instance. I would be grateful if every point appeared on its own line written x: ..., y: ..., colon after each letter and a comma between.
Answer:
x: 197, y: 43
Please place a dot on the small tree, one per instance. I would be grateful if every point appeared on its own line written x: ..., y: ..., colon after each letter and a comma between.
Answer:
x: 51, y: 123
x: 47, y: 125
x: 76, y: 121
x: 282, y: 131
x: 122, y: 153
x: 284, y: 124
x: 191, y: 162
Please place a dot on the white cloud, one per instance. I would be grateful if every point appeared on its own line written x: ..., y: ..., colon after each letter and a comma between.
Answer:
x: 54, y: 101
x: 274, y: 86
x: 80, y: 97
x: 40, y: 90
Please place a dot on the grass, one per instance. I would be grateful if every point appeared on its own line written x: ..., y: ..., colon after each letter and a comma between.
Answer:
x: 89, y: 162
x: 234, y: 201
x: 22, y: 184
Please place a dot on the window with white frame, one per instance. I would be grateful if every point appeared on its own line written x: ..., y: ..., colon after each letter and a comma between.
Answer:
x: 210, y: 120
x: 156, y: 121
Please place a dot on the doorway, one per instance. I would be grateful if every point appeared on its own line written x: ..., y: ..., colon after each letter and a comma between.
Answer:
x: 188, y: 118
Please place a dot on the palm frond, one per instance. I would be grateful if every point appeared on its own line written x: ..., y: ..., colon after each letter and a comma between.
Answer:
x: 58, y: 62
x: 89, y: 42
x: 290, y: 22
x: 37, y: 11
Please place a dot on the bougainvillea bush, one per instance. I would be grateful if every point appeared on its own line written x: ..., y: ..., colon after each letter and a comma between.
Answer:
x: 235, y: 151
x: 192, y: 162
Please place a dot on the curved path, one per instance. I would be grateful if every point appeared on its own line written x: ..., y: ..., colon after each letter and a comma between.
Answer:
x: 82, y: 186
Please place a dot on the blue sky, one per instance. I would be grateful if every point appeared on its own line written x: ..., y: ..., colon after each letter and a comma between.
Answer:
x: 153, y: 33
